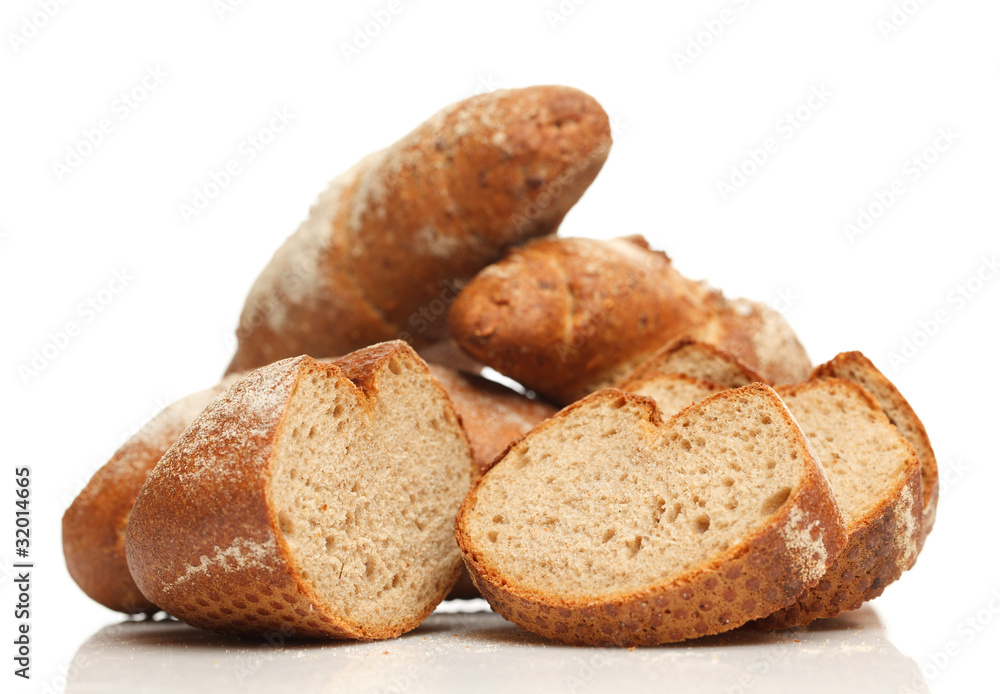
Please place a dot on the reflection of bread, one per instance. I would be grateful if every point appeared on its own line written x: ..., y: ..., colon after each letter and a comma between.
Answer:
x: 876, y: 482
x: 568, y: 316
x: 607, y: 525
x: 389, y: 243
x: 313, y: 497
x: 94, y: 524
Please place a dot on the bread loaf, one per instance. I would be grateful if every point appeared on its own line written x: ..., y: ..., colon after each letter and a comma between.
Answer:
x: 93, y: 527
x: 694, y: 359
x: 317, y: 498
x: 854, y: 366
x: 876, y: 482
x: 566, y: 317
x: 607, y: 525
x: 388, y: 245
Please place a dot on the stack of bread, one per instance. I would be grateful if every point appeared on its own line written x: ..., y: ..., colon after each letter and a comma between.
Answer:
x: 354, y: 467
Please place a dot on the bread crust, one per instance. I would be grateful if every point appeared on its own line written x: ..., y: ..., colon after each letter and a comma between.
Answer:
x: 750, y: 580
x: 234, y: 572
x: 566, y: 317
x: 855, y: 366
x: 880, y: 546
x: 389, y: 244
x: 93, y: 527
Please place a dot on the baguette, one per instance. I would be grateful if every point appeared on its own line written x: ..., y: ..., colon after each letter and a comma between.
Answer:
x: 606, y: 525
x: 566, y: 317
x: 389, y: 243
x: 317, y: 498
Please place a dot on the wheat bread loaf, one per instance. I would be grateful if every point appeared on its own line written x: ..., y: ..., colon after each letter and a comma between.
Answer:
x: 607, y: 525
x: 855, y: 366
x: 93, y: 527
x: 389, y: 243
x: 876, y: 481
x: 316, y: 499
x: 568, y: 316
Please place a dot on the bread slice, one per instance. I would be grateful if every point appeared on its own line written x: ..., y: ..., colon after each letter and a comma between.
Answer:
x: 672, y: 391
x: 607, y: 525
x: 93, y: 527
x: 317, y: 498
x: 855, y: 366
x: 697, y: 359
x: 876, y: 481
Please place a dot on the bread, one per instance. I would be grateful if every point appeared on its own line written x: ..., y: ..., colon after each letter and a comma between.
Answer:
x: 566, y: 317
x: 854, y: 366
x: 876, y: 482
x: 93, y: 527
x: 310, y: 497
x: 387, y: 246
x: 672, y: 391
x: 698, y: 360
x: 607, y: 525
x: 492, y: 414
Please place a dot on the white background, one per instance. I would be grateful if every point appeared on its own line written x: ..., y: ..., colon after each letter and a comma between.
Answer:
x: 679, y: 129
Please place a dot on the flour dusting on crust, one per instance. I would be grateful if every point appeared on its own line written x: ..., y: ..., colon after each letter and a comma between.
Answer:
x: 241, y: 554
x: 808, y: 553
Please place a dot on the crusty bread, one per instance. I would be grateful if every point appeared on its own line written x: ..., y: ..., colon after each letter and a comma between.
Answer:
x: 317, y: 498
x: 566, y: 317
x: 854, y: 366
x: 672, y: 391
x: 608, y: 525
x: 696, y: 359
x: 389, y: 243
x: 876, y: 480
x: 93, y: 527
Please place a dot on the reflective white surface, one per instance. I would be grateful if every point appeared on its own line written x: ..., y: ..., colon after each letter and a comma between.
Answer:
x: 480, y: 652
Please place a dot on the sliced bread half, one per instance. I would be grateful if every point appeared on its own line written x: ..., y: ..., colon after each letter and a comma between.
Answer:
x: 315, y: 499
x: 672, y: 391
x: 607, y: 525
x: 700, y: 360
x: 876, y: 481
x: 855, y: 366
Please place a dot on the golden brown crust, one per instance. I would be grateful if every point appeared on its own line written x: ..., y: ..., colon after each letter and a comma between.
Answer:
x: 566, y: 317
x: 880, y: 546
x: 93, y: 527
x: 748, y: 581
x: 390, y: 243
x: 856, y: 367
x: 235, y: 572
x: 723, y: 369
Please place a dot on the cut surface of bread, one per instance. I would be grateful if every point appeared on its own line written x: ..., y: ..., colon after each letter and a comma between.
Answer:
x: 493, y: 415
x: 93, y: 527
x: 672, y: 391
x: 876, y: 481
x: 608, y: 525
x: 697, y: 359
x: 855, y: 366
x: 313, y: 497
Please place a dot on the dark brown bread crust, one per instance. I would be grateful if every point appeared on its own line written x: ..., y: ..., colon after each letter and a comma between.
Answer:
x: 566, y: 317
x: 750, y: 580
x: 231, y: 571
x: 855, y: 366
x: 880, y: 547
x: 93, y: 527
x: 404, y: 228
x: 742, y: 374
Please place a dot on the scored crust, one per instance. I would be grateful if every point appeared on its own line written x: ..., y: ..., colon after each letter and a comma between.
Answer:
x: 765, y: 571
x: 881, y: 544
x: 234, y: 572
